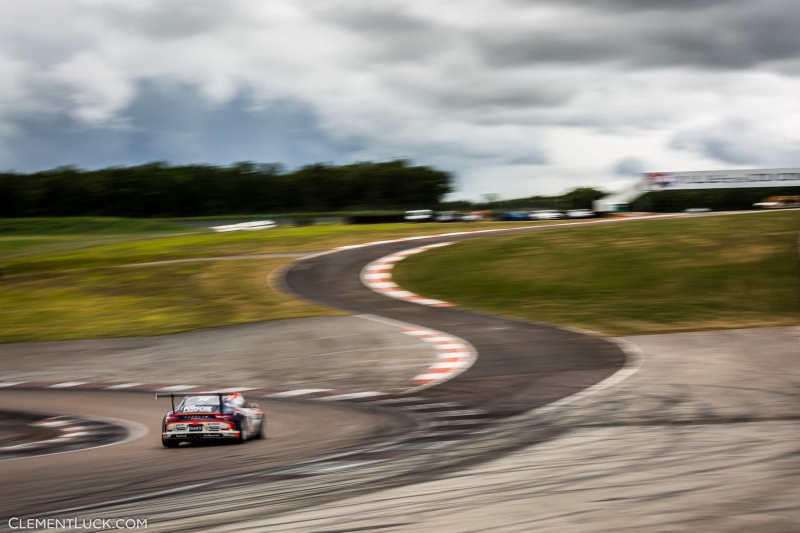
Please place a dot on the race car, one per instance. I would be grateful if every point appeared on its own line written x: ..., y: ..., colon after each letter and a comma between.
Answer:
x: 211, y: 416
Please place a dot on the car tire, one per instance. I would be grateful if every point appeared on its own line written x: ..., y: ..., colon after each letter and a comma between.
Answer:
x: 168, y: 443
x: 262, y: 429
x: 242, y: 433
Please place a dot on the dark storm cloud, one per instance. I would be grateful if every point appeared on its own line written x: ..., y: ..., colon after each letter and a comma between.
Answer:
x: 715, y: 147
x: 539, y: 159
x: 374, y: 19
x: 629, y: 166
x: 389, y: 34
x: 171, y: 123
x: 480, y: 95
x: 709, y: 35
x: 638, y: 5
x: 172, y: 19
x: 741, y: 142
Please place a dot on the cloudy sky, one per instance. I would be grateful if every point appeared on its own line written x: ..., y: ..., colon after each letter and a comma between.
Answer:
x: 516, y: 97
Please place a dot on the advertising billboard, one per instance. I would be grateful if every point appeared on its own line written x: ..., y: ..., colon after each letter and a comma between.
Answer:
x: 720, y: 179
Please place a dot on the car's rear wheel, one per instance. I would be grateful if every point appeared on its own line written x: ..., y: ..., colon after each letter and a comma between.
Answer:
x: 168, y: 443
x: 242, y: 432
x: 262, y: 428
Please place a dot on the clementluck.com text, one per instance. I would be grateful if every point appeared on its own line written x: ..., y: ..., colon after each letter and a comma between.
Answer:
x: 16, y: 523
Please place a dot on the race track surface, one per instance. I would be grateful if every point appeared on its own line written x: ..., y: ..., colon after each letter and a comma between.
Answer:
x: 295, y: 432
x: 704, y: 438
x: 520, y: 365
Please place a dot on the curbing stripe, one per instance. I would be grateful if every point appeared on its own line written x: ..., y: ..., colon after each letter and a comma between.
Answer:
x: 67, y: 384
x: 298, y: 392
x: 123, y: 386
x: 173, y: 388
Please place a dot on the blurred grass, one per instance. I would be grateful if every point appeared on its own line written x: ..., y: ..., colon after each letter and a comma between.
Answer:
x: 282, y: 239
x: 151, y: 300
x: 31, y: 236
x: 61, y: 285
x: 632, y: 278
x: 84, y: 226
x: 319, y: 214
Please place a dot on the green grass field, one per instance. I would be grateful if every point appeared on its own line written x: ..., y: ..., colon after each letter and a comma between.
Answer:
x: 194, y: 245
x: 146, y: 300
x: 36, y: 236
x: 85, y: 226
x: 64, y: 278
x: 632, y: 278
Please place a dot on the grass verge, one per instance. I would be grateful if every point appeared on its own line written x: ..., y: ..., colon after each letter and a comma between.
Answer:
x: 299, y: 239
x: 61, y: 285
x: 36, y: 236
x: 138, y: 301
x: 84, y: 226
x: 627, y: 279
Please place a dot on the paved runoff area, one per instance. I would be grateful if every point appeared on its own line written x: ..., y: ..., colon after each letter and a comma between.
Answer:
x: 705, y: 437
x: 346, y: 353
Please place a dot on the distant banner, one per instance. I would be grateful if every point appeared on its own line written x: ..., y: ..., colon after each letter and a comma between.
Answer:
x: 720, y: 179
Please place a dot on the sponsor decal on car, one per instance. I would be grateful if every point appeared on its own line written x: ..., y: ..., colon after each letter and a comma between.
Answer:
x: 199, y: 408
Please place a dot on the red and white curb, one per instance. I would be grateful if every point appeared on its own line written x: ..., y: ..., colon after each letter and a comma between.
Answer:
x: 453, y: 356
x: 378, y: 277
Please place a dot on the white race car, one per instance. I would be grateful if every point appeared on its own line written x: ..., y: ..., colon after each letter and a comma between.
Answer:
x: 206, y: 417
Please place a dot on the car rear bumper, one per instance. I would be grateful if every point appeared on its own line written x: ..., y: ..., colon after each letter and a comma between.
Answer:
x: 200, y: 435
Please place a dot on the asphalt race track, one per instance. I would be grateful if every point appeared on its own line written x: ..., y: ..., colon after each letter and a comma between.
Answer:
x: 295, y: 432
x: 520, y: 365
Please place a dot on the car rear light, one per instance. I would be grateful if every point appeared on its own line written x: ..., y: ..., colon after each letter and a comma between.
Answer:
x: 225, y: 417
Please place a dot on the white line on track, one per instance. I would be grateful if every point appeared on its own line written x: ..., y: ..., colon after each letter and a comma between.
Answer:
x: 229, y: 389
x: 352, y: 396
x: 124, y: 386
x: 298, y: 392
x: 174, y: 388
x: 67, y: 384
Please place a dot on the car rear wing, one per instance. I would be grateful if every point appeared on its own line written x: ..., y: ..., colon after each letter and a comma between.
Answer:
x: 171, y: 396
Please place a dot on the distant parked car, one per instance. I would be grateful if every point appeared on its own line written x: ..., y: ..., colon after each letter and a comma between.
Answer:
x: 470, y: 217
x: 548, y: 214
x: 778, y: 202
x: 246, y: 226
x: 580, y: 213
x: 420, y: 215
x: 513, y: 216
x: 447, y: 216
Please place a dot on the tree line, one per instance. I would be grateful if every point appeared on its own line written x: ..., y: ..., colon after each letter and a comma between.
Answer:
x: 578, y: 198
x: 159, y: 189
